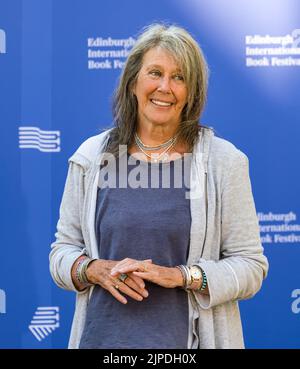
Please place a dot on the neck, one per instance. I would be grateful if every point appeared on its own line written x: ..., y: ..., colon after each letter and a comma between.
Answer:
x: 155, y: 135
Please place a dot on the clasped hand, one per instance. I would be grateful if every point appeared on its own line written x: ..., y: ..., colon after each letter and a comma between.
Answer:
x: 106, y: 273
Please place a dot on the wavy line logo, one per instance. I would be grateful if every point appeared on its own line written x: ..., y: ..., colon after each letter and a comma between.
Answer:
x: 2, y: 42
x: 45, y: 320
x: 35, y: 138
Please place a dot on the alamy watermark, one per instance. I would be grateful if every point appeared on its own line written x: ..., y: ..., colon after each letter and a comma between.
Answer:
x: 296, y: 303
x: 131, y: 172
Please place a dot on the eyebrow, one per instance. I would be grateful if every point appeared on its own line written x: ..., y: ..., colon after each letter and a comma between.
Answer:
x: 160, y: 67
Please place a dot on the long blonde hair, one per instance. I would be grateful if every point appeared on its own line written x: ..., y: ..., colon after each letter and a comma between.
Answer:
x: 189, y: 57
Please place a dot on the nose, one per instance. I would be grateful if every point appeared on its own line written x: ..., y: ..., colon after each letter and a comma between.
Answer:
x: 164, y: 85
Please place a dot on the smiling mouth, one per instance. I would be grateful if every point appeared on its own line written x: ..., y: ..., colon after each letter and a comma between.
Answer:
x: 161, y: 103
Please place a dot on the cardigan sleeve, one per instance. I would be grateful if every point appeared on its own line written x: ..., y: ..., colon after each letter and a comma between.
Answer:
x: 69, y: 243
x: 242, y: 266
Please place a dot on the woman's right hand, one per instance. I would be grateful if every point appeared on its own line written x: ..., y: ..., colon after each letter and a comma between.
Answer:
x: 98, y: 272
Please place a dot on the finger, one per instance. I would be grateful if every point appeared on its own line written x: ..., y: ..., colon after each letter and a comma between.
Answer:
x: 137, y: 266
x: 117, y: 295
x: 138, y: 280
x: 128, y: 267
x: 129, y: 291
x: 130, y: 281
x: 133, y: 285
x: 148, y: 276
x: 122, y: 262
x: 125, y: 262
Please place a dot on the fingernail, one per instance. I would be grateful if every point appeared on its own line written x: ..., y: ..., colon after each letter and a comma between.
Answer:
x: 145, y: 293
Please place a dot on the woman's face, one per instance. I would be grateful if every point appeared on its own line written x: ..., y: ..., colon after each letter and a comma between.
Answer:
x: 160, y: 89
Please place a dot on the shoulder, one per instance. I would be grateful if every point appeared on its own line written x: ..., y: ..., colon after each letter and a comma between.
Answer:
x: 226, y: 162
x: 224, y: 153
x: 221, y: 157
x: 88, y: 151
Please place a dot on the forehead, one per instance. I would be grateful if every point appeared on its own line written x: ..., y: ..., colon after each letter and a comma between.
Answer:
x: 159, y: 56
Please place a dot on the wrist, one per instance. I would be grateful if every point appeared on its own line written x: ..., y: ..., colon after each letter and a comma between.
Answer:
x: 179, y: 279
x: 193, y: 277
x: 81, y: 270
x: 185, y: 276
x: 199, y: 282
x: 90, y: 272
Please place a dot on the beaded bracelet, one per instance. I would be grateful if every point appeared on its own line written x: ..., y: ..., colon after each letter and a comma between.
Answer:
x: 204, y: 281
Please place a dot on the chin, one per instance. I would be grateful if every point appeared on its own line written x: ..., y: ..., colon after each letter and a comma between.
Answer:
x: 161, y: 121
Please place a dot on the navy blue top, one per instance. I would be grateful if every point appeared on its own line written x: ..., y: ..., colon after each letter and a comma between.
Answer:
x: 142, y: 223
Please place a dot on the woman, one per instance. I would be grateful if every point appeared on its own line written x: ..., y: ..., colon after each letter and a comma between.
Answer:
x: 156, y: 265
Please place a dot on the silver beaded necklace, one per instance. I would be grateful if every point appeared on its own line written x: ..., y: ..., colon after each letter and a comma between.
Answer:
x: 156, y: 158
x: 153, y: 148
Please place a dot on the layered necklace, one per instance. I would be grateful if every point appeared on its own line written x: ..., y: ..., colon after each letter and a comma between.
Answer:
x: 165, y: 145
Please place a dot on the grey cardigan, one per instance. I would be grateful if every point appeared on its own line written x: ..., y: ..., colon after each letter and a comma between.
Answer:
x: 224, y: 237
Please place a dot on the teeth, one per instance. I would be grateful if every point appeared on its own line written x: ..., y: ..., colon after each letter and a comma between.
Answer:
x: 161, y: 103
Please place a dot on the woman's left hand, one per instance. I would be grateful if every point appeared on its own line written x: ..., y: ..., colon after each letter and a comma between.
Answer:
x: 167, y: 277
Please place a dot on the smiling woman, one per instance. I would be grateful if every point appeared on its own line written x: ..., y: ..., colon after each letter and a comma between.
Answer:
x: 161, y: 95
x: 158, y: 266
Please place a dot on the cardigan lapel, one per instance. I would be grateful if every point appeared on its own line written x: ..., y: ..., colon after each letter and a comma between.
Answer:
x: 198, y: 198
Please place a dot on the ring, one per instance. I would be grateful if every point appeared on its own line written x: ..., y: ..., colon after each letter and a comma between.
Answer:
x: 123, y: 277
x: 116, y: 286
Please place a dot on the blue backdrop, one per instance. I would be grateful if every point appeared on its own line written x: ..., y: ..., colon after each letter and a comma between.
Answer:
x: 59, y: 64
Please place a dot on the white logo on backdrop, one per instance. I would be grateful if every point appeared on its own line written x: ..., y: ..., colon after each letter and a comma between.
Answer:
x: 273, y: 51
x: 35, y: 138
x: 279, y: 228
x: 2, y: 302
x: 108, y: 53
x: 2, y: 42
x: 296, y: 302
x: 44, y: 321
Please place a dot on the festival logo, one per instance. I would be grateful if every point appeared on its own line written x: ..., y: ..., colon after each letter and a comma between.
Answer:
x: 45, y: 320
x: 108, y: 53
x: 279, y: 228
x: 35, y: 138
x: 273, y: 51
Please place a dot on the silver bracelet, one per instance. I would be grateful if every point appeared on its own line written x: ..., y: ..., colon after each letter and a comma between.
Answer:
x: 81, y: 270
x: 183, y: 273
x: 187, y: 280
